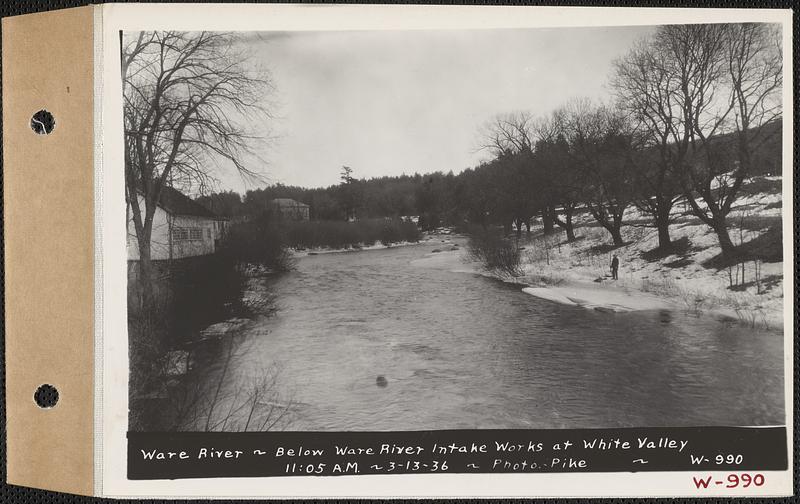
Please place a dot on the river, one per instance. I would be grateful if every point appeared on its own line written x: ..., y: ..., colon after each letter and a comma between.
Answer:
x: 459, y: 350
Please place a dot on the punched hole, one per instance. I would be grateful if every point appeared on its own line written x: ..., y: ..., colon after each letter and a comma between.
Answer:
x: 43, y: 122
x: 46, y: 396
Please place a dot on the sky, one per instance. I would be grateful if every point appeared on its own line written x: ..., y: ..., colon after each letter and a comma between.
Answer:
x: 395, y: 102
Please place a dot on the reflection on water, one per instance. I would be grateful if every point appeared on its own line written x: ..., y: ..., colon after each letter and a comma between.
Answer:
x: 368, y: 341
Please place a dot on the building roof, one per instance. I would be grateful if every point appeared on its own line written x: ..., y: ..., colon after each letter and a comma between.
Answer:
x: 288, y: 202
x: 177, y: 203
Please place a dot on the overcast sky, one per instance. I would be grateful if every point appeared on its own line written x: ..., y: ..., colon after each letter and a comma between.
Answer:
x: 394, y: 102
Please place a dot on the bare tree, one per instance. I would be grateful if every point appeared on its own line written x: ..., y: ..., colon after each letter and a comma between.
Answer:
x: 508, y: 133
x: 522, y: 187
x: 544, y: 172
x: 754, y: 61
x: 186, y: 96
x: 646, y: 90
x: 729, y: 82
x: 563, y: 176
x: 520, y: 190
x: 601, y: 143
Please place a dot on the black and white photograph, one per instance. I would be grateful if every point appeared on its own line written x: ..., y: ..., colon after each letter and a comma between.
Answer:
x: 408, y: 230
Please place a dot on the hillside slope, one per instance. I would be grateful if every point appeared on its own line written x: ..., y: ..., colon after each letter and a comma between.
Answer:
x: 693, y: 276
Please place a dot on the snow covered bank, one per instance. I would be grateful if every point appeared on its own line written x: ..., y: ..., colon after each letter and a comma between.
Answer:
x: 576, y: 293
x: 549, y: 294
x: 600, y: 298
x: 691, y: 277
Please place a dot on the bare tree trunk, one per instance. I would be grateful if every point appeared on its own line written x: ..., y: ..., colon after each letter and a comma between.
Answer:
x: 612, y: 223
x: 146, y: 280
x: 717, y: 220
x: 569, y: 227
x: 566, y: 224
x: 664, y: 241
x: 616, y: 234
x: 662, y: 225
x: 726, y: 244
x: 660, y: 210
x: 547, y: 221
x: 146, y: 277
x: 614, y: 229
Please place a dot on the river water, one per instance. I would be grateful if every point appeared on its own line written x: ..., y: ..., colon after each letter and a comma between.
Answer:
x: 460, y: 350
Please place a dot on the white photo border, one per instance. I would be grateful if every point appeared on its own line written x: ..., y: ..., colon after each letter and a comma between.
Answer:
x: 111, y: 396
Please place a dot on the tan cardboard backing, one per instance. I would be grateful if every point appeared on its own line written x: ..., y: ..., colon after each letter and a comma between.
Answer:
x: 49, y: 280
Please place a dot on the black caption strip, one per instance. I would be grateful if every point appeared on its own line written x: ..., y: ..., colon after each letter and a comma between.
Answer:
x: 253, y: 454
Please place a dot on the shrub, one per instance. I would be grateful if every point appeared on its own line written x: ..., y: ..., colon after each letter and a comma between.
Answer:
x: 497, y: 253
x: 396, y: 230
x: 259, y: 242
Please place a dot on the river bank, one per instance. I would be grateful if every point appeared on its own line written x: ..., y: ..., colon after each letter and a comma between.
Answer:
x: 692, y: 276
x: 575, y: 291
x: 689, y: 278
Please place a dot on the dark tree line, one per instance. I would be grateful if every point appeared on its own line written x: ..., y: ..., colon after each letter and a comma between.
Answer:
x: 379, y: 197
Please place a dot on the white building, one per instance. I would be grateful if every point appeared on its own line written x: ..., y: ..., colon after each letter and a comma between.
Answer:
x: 181, y: 228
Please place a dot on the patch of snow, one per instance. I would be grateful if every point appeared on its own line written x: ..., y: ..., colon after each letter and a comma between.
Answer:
x: 221, y: 329
x: 549, y: 294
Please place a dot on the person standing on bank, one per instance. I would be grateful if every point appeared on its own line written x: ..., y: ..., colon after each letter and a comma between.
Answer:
x: 614, y: 267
